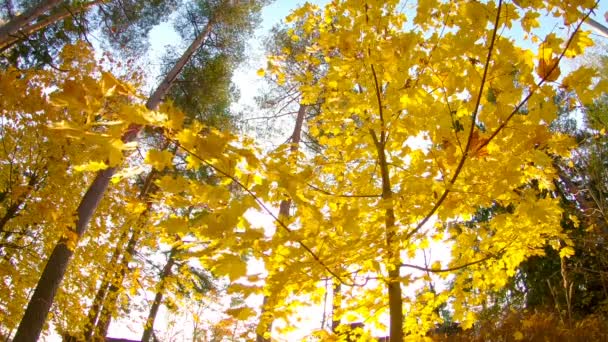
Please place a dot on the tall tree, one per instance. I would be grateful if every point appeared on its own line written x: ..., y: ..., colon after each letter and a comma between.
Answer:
x: 203, y: 90
x: 281, y: 100
x: 39, y: 305
x: 383, y: 81
x: 124, y: 26
x: 158, y: 297
x: 18, y: 23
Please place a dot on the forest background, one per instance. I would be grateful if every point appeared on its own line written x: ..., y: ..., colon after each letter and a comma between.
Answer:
x: 436, y: 170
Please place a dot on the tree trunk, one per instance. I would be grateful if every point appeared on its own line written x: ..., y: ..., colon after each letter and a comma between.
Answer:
x: 10, y: 213
x: 115, y: 281
x: 336, y: 302
x: 93, y: 314
x: 166, y: 84
x: 393, y: 283
x: 14, y: 208
x: 101, y: 311
x: 13, y: 27
x: 284, y: 206
x: 28, y: 30
x: 35, y: 315
x: 149, y: 327
x: 95, y: 310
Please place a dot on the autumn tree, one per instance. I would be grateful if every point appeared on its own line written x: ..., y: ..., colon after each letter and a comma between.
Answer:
x: 36, y: 153
x: 433, y: 125
x: 55, y: 268
x: 281, y: 100
x: 430, y: 119
x: 203, y: 91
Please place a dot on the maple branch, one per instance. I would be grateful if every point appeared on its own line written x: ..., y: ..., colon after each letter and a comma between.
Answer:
x: 540, y: 83
x: 275, y: 116
x: 449, y: 269
x: 450, y: 112
x: 380, y: 107
x: 340, y: 195
x: 444, y: 195
x: 265, y: 208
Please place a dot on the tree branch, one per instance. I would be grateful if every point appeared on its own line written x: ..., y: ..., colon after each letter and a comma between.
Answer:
x: 268, y: 211
x: 341, y: 195
x: 473, y: 121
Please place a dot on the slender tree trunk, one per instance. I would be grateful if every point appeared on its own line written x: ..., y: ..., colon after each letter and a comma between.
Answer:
x: 395, y: 302
x: 115, y: 283
x: 28, y: 30
x: 149, y: 327
x: 336, y: 302
x: 14, y: 26
x: 93, y: 314
x: 95, y: 309
x: 284, y: 206
x: 14, y: 208
x: 10, y: 213
x: 35, y: 315
x: 100, y: 314
x: 165, y: 85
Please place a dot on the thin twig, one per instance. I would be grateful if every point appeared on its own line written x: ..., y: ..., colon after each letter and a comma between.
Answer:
x: 473, y: 121
x: 449, y: 269
x: 341, y: 195
x: 268, y: 211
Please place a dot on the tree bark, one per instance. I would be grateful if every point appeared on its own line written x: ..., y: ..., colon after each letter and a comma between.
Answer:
x: 35, y: 315
x: 14, y: 208
x: 28, y: 30
x: 284, y: 206
x: 13, y: 27
x: 93, y: 314
x: 336, y: 302
x: 166, y: 84
x: 115, y: 282
x: 10, y: 213
x: 104, y: 303
x: 395, y: 302
x: 149, y: 327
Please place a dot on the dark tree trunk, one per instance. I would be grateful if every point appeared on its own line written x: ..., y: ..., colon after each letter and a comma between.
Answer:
x: 115, y: 282
x: 149, y: 327
x: 12, y: 28
x: 93, y: 314
x: 35, y: 315
x: 335, y: 305
x: 28, y: 30
x: 395, y: 302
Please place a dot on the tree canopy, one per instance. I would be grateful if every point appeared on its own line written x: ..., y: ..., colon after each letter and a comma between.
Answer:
x: 445, y: 172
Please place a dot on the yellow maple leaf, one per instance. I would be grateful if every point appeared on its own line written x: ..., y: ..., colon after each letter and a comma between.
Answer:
x: 159, y: 159
x: 241, y: 313
x: 230, y: 265
x: 71, y: 239
x: 175, y: 225
x: 548, y: 69
x: 91, y: 166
